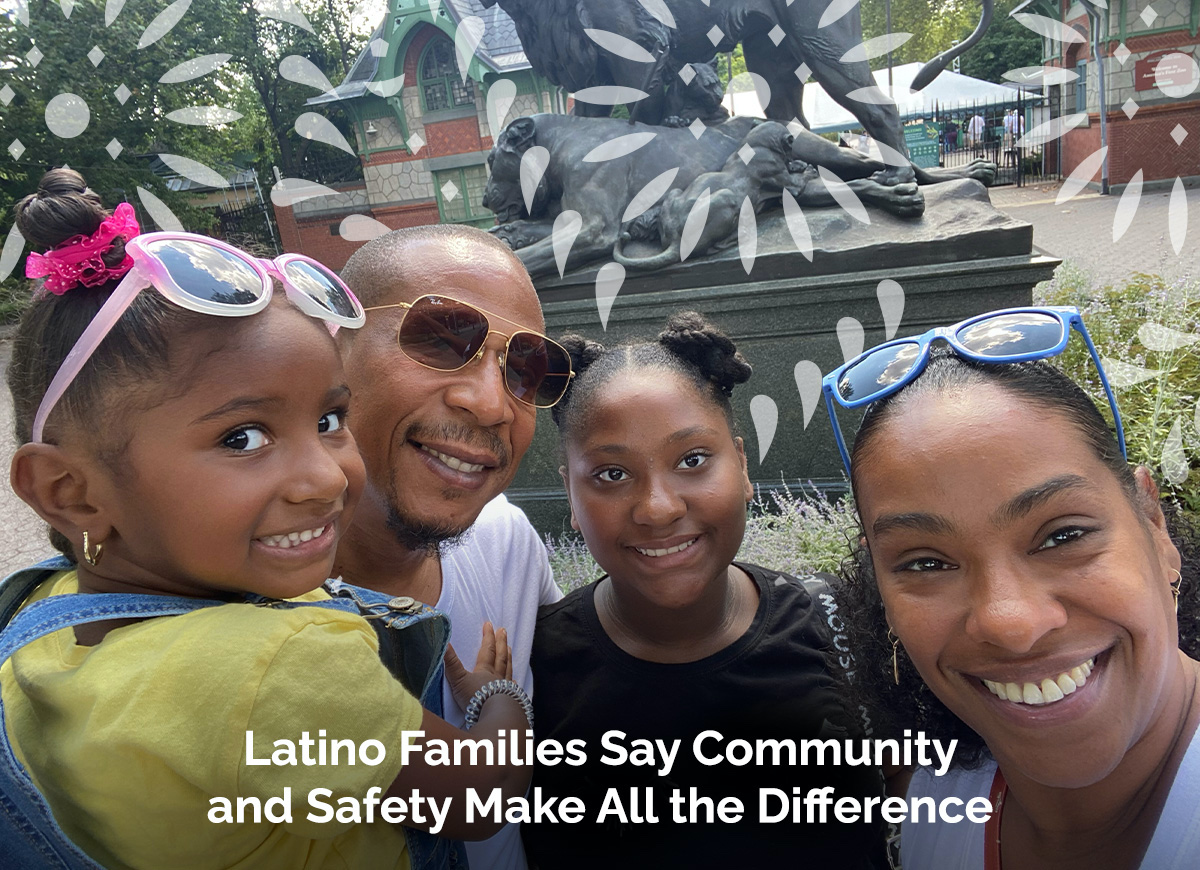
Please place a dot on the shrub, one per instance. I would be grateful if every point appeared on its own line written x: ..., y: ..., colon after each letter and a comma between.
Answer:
x: 14, y: 298
x: 1145, y: 331
x: 796, y: 534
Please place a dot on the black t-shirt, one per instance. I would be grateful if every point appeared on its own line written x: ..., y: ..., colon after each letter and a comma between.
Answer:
x: 772, y: 682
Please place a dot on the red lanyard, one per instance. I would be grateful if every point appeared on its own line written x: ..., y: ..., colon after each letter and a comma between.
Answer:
x: 991, y: 829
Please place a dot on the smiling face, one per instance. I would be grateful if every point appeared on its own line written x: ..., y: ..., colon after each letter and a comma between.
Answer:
x: 243, y: 479
x: 440, y: 445
x: 658, y: 487
x: 1027, y: 585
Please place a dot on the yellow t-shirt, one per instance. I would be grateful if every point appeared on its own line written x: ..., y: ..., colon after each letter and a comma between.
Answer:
x: 129, y: 739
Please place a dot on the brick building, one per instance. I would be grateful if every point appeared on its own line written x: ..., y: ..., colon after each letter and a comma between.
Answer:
x: 423, y: 143
x: 1152, y: 92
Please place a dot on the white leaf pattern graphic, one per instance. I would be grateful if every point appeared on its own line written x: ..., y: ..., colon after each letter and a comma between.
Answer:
x: 1050, y: 28
x: 303, y: 71
x: 693, y: 227
x: 747, y: 235
x: 1041, y: 75
x: 619, y: 147
x: 659, y: 10
x: 466, y: 39
x: 1084, y: 172
x: 1174, y: 462
x: 194, y: 170
x: 797, y: 225
x: 845, y: 197
x: 533, y: 167
x: 650, y: 194
x: 1154, y: 336
x: 808, y: 383
x: 1177, y: 215
x: 388, y: 87
x: 609, y: 279
x: 1123, y: 374
x: 204, y: 116
x: 835, y: 11
x: 566, y: 227
x: 500, y: 97
x: 283, y: 10
x: 610, y: 95
x: 877, y: 46
x: 14, y: 246
x: 850, y: 337
x: 361, y: 228
x: 289, y: 191
x: 1128, y: 206
x: 1053, y: 129
x: 194, y: 68
x: 891, y: 305
x: 112, y: 8
x: 163, y: 22
x: 619, y: 45
x: 765, y: 414
x: 872, y: 96
x: 318, y: 128
x: 159, y: 213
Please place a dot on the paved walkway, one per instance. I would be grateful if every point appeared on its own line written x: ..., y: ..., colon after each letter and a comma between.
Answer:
x: 1079, y: 231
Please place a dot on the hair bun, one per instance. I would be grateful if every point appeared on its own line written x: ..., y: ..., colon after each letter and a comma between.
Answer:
x: 692, y: 338
x: 583, y: 352
x: 63, y: 207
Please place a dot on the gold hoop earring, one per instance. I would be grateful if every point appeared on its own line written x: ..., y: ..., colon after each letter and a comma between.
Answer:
x: 91, y: 558
x: 895, y: 662
x: 1175, y: 587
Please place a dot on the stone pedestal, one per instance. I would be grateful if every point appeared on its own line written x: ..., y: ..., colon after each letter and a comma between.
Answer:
x: 962, y: 258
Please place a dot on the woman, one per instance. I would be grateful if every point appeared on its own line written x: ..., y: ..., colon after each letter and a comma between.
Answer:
x: 1017, y: 588
x: 678, y: 640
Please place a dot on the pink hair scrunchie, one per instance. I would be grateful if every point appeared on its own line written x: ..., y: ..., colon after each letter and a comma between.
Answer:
x: 79, y: 260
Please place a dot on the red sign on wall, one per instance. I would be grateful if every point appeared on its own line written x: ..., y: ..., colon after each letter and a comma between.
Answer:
x: 1149, y: 72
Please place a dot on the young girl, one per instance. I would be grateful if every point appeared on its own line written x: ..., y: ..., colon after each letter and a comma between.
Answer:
x: 206, y: 457
x: 678, y: 640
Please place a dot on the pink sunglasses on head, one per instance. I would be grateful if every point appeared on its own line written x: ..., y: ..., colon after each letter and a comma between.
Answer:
x: 210, y: 277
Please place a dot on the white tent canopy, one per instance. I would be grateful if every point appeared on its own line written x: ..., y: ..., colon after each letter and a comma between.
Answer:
x: 948, y: 91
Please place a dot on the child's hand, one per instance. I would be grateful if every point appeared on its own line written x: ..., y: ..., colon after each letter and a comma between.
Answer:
x: 494, y: 662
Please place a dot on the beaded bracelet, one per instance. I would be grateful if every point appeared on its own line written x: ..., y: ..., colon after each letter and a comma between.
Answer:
x: 497, y: 687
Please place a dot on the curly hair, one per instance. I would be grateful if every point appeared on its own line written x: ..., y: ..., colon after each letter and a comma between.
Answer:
x: 911, y: 704
x: 689, y: 346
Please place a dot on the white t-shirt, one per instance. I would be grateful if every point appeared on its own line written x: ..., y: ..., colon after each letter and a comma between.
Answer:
x: 942, y: 846
x: 500, y: 573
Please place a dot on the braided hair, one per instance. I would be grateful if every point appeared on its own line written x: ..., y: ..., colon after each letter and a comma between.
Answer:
x: 690, y: 346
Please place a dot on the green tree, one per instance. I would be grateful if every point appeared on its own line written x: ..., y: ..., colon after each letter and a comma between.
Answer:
x: 1008, y: 44
x: 116, y: 105
x: 936, y: 25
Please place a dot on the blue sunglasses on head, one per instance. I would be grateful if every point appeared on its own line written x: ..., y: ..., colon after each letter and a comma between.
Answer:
x: 1011, y: 335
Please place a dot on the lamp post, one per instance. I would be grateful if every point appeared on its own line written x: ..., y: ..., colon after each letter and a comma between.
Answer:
x: 1094, y: 14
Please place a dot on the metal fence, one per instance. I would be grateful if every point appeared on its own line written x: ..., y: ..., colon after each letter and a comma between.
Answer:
x: 992, y: 131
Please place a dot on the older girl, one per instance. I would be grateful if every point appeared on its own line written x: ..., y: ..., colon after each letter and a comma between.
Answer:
x: 678, y: 641
x: 1018, y: 588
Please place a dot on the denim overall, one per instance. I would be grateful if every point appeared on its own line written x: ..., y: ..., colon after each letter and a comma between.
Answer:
x: 412, y: 640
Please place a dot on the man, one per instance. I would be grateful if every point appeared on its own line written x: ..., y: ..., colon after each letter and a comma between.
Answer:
x: 441, y: 446
x: 975, y: 132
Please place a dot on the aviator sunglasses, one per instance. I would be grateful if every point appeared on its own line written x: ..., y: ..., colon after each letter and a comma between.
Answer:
x: 210, y: 277
x: 1011, y: 335
x: 446, y: 334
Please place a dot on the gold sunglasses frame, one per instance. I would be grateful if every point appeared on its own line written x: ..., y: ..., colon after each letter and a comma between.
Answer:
x: 487, y: 315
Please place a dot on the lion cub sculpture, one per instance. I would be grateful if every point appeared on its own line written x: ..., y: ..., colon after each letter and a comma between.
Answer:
x: 762, y: 179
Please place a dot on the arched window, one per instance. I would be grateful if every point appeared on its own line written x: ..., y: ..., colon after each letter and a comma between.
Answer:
x: 441, y: 85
